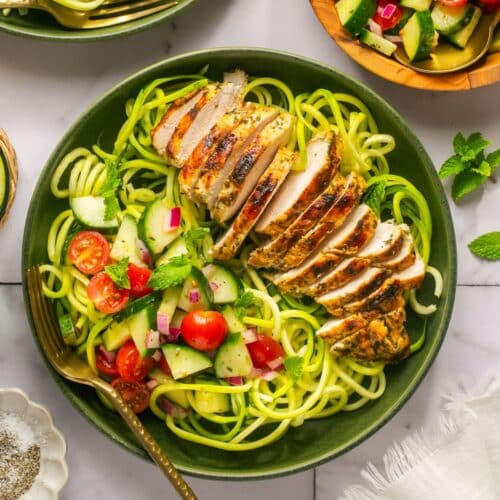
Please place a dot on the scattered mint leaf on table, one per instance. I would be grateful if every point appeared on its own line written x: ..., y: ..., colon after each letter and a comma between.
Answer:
x: 466, y: 182
x: 118, y: 273
x: 486, y: 246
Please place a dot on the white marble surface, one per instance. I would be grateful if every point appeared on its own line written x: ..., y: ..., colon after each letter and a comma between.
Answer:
x: 44, y: 86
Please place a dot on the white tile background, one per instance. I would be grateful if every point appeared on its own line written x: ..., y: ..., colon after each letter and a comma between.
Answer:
x: 44, y: 86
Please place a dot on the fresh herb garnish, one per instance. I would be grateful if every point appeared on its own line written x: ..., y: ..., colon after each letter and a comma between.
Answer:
x: 118, y: 273
x: 469, y: 164
x: 247, y: 300
x: 486, y: 246
x: 375, y: 195
x: 173, y: 273
x: 194, y: 238
x: 108, y: 191
x: 294, y: 366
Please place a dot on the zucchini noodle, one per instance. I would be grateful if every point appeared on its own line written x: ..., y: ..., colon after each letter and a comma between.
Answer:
x: 261, y: 409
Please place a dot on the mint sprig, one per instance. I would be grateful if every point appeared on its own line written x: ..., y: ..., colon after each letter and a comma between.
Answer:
x: 118, y: 273
x: 486, y: 246
x: 173, y: 273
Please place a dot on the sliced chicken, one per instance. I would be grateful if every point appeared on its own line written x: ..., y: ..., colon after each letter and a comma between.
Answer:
x: 270, y: 255
x: 355, y: 233
x: 250, y: 166
x: 386, y: 242
x: 198, y: 158
x: 348, y: 270
x: 404, y: 258
x: 365, y: 283
x: 333, y: 219
x: 384, y: 339
x: 223, y: 158
x: 162, y: 133
x: 218, y: 99
x: 301, y: 188
x: 267, y: 185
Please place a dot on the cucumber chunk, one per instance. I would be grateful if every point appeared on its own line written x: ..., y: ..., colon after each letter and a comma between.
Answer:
x: 175, y: 249
x: 407, y: 13
x: 184, y: 361
x: 460, y: 38
x: 418, y: 36
x: 379, y: 43
x: 116, y: 335
x: 177, y: 318
x: 140, y: 324
x: 178, y: 396
x: 419, y: 5
x: 125, y: 245
x: 151, y: 227
x: 232, y: 358
x: 169, y: 301
x: 90, y: 211
x: 137, y: 305
x: 448, y: 20
x: 354, y: 14
x: 234, y: 325
x: 211, y: 402
x: 196, y: 281
x: 225, y: 285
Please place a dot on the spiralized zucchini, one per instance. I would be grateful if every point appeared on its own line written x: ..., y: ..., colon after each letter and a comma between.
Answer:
x: 261, y: 410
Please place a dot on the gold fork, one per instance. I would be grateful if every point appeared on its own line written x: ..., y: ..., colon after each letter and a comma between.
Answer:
x: 111, y: 12
x: 67, y: 363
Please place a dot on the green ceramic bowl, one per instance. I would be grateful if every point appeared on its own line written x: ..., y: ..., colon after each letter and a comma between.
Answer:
x: 315, y: 441
x: 38, y: 24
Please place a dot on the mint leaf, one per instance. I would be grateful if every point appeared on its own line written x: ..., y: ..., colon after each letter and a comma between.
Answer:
x: 118, y: 273
x: 111, y: 207
x: 375, y: 195
x: 452, y: 166
x: 494, y: 159
x: 294, y: 366
x: 173, y: 273
x: 486, y: 246
x: 247, y: 300
x: 108, y: 191
x: 193, y: 239
x: 476, y: 143
x: 459, y: 143
x: 465, y: 182
x: 483, y: 169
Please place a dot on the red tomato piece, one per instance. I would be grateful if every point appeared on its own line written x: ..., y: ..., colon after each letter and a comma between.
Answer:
x: 105, y: 295
x: 204, y: 330
x: 164, y: 366
x: 490, y: 5
x: 393, y: 20
x: 131, y: 366
x: 135, y: 394
x: 139, y: 277
x: 453, y: 3
x: 89, y: 252
x: 104, y: 365
x: 264, y: 350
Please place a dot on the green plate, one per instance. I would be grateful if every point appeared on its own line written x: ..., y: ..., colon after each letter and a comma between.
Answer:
x: 315, y: 441
x: 38, y: 24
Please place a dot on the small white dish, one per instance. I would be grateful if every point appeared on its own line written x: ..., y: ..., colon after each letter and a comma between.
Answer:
x: 53, y: 473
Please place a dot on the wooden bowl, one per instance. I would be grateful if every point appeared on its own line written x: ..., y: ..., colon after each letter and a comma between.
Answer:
x: 485, y: 72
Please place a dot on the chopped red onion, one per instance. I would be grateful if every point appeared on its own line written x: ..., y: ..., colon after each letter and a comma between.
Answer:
x: 153, y: 339
x: 143, y: 252
x: 374, y: 27
x: 194, y: 295
x: 269, y: 375
x: 172, y: 219
x: 109, y: 356
x: 393, y: 38
x: 388, y: 11
x: 172, y: 409
x: 249, y: 335
x: 157, y: 355
x: 214, y: 286
x: 234, y: 380
x: 151, y: 384
x: 275, y: 363
x: 255, y: 373
x: 163, y: 323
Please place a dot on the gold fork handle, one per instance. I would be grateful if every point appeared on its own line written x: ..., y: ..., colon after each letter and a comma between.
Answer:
x: 19, y: 4
x: 149, y: 443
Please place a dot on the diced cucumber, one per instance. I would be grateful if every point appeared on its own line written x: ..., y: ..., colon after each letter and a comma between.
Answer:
x: 177, y: 396
x: 125, y: 244
x: 419, y: 5
x: 184, y: 361
x: 224, y: 283
x: 169, y: 301
x: 354, y: 14
x: 175, y: 249
x: 448, y: 20
x: 460, y: 38
x: 137, y: 305
x: 418, y: 36
x: 116, y: 335
x: 407, y: 13
x: 177, y: 318
x: 232, y: 358
x: 140, y: 324
x: 90, y: 212
x: 495, y: 43
x: 67, y: 328
x: 196, y: 281
x: 211, y: 402
x: 151, y: 227
x: 379, y: 43
x: 234, y: 325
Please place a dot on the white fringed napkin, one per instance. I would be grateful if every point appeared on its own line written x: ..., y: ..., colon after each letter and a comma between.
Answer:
x: 459, y: 459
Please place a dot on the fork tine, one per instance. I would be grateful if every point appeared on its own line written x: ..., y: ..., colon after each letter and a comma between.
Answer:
x: 137, y: 6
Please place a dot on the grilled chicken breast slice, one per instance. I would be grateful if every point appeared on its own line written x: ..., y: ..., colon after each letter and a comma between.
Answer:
x: 193, y: 166
x: 270, y: 255
x: 162, y: 133
x: 266, y: 187
x: 333, y: 219
x: 386, y: 242
x: 223, y: 158
x: 218, y: 99
x: 250, y: 166
x: 384, y: 339
x: 365, y: 283
x: 301, y: 188
x: 404, y: 258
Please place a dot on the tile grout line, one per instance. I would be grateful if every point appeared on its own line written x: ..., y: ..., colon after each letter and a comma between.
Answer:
x: 10, y: 283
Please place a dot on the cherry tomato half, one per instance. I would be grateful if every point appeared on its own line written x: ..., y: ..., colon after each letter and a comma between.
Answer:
x: 453, y: 3
x: 388, y: 23
x: 264, y: 350
x: 105, y: 295
x: 135, y: 394
x: 131, y: 366
x: 138, y: 277
x: 89, y: 252
x: 105, y: 366
x: 204, y: 330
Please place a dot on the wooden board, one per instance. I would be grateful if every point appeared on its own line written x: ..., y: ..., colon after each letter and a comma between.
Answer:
x: 485, y: 72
